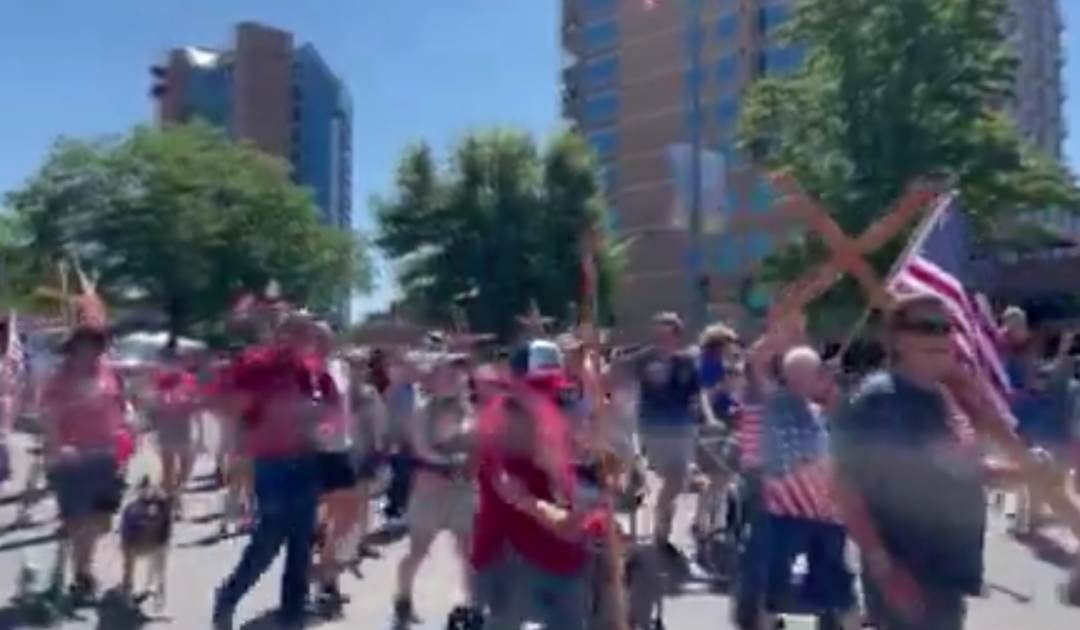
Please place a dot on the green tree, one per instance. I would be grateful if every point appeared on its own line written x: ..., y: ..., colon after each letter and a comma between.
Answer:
x: 186, y: 220
x: 496, y: 227
x: 910, y: 90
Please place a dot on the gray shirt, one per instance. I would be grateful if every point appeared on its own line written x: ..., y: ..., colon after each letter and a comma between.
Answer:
x: 445, y: 423
x: 894, y: 445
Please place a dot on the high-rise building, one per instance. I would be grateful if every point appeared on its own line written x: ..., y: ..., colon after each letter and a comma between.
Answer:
x: 642, y: 83
x: 281, y: 97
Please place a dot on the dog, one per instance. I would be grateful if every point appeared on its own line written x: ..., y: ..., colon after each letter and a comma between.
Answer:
x: 146, y: 528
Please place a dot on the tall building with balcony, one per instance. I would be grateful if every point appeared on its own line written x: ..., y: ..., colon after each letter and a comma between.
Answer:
x: 280, y: 96
x: 640, y: 83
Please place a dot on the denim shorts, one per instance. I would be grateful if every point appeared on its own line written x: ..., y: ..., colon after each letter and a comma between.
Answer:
x: 514, y: 591
x: 89, y: 484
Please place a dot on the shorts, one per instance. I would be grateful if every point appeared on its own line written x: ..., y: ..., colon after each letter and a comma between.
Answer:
x: 175, y: 436
x: 368, y: 466
x: 337, y: 471
x: 513, y: 591
x: 670, y: 451
x: 436, y: 506
x: 86, y: 486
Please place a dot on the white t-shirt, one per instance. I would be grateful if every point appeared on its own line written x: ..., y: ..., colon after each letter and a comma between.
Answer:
x: 336, y: 435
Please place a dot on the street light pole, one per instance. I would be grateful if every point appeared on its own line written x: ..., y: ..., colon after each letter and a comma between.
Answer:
x: 699, y: 268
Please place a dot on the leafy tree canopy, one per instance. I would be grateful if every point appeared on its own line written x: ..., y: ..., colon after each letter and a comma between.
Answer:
x: 495, y: 227
x: 894, y: 92
x: 182, y: 218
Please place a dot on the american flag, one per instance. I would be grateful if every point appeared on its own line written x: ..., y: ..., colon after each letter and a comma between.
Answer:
x: 748, y: 436
x: 792, y: 453
x: 936, y: 264
x: 14, y: 353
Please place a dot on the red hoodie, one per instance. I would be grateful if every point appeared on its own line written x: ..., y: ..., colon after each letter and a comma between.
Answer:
x: 499, y: 524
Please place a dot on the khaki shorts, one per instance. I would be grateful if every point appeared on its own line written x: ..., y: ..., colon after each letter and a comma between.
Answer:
x: 670, y: 451
x: 437, y: 506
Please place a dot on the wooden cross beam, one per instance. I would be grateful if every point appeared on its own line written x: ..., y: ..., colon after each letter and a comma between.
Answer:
x: 460, y: 336
x: 533, y: 320
x: 847, y: 253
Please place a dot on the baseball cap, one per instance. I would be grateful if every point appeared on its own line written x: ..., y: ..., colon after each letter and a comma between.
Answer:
x: 537, y: 357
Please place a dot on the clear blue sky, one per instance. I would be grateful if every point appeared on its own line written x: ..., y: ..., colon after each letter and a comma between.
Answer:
x: 428, y: 69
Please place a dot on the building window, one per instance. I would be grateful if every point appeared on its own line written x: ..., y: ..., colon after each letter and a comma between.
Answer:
x: 593, y: 7
x: 772, y: 16
x: 758, y: 245
x: 781, y: 60
x: 727, y: 69
x: 600, y: 37
x: 729, y: 254
x: 601, y: 72
x: 728, y: 26
x: 607, y: 179
x: 727, y: 112
x: 600, y: 109
x: 603, y: 144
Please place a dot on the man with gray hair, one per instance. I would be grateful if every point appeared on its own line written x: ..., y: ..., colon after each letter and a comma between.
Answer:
x: 795, y: 512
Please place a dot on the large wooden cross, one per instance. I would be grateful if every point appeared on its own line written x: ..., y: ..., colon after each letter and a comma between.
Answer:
x: 847, y: 253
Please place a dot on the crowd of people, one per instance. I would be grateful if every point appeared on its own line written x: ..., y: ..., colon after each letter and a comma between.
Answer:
x: 525, y: 459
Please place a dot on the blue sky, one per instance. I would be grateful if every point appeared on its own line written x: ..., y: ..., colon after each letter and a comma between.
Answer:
x: 426, y: 69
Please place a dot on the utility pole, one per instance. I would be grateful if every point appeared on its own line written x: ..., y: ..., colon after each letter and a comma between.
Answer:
x: 699, y: 315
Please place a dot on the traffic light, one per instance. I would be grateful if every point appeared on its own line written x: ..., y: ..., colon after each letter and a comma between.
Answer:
x: 159, y: 85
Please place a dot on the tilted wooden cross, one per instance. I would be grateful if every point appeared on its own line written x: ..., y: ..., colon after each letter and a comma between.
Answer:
x: 460, y: 337
x: 847, y: 253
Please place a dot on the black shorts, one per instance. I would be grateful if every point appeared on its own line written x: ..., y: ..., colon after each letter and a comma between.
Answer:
x: 368, y: 465
x: 337, y: 471
x: 86, y: 486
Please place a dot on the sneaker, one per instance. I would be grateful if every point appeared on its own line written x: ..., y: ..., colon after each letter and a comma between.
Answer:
x: 330, y: 595
x: 368, y: 552
x: 404, y: 611
x: 83, y: 589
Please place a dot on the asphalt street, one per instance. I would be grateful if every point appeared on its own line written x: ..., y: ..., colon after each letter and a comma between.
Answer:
x: 1023, y: 585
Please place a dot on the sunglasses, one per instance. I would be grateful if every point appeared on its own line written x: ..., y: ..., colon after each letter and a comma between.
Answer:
x: 927, y: 325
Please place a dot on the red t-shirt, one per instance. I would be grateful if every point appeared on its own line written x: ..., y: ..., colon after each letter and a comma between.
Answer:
x: 177, y: 393
x: 273, y: 384
x: 498, y: 524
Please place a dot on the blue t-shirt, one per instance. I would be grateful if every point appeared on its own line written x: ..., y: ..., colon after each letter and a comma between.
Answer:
x: 668, y: 389
x: 712, y: 372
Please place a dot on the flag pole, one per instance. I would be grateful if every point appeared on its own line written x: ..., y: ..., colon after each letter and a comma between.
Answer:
x: 614, y: 584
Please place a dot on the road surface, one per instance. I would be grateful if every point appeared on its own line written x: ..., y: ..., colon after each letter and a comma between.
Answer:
x: 1022, y: 594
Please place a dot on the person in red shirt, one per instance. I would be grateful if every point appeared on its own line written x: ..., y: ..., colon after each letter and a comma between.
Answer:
x: 172, y: 410
x: 529, y: 547
x: 82, y: 418
x: 283, y: 398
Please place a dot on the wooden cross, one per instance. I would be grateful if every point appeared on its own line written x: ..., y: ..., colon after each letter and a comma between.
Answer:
x: 847, y: 253
x: 460, y: 337
x: 534, y: 322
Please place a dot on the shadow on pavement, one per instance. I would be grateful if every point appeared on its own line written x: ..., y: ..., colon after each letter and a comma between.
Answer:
x: 387, y: 535
x: 33, y: 541
x: 213, y: 539
x: 13, y: 618
x: 1048, y: 549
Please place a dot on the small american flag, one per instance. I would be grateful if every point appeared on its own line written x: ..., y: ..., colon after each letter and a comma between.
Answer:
x: 14, y: 354
x: 748, y: 436
x: 935, y: 264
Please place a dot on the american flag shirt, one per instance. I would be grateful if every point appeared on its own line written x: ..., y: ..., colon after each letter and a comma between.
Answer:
x: 795, y: 463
